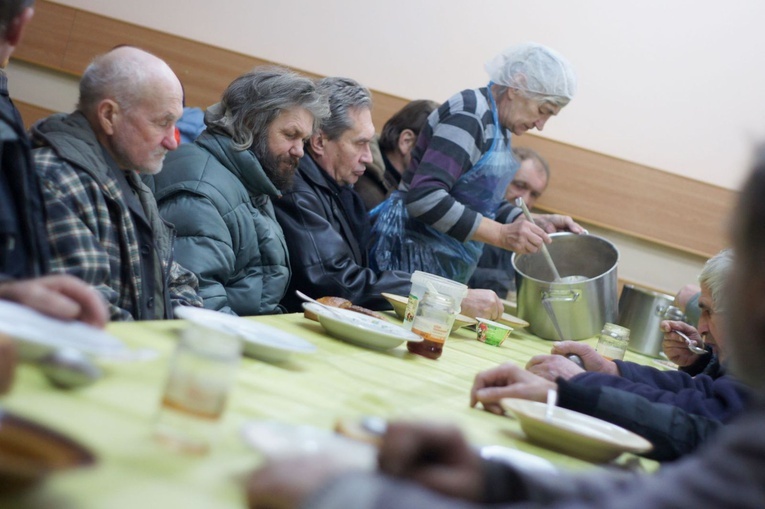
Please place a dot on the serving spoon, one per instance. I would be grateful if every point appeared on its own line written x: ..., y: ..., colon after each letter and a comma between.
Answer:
x: 522, y: 204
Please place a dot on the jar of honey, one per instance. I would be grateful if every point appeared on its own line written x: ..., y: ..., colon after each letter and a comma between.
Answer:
x: 433, y: 321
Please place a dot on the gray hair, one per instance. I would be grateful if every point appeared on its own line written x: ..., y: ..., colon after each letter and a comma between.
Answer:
x: 715, y: 275
x: 344, y: 95
x: 252, y: 101
x: 10, y: 10
x: 122, y: 79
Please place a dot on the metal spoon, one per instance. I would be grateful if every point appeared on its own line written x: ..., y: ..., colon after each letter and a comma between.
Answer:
x: 522, y: 204
x: 69, y: 368
x: 332, y: 310
x: 692, y: 346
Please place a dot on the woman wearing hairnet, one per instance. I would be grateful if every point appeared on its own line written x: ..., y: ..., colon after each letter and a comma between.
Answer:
x: 442, y: 213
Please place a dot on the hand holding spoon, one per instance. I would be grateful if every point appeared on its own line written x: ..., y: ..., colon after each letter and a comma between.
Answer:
x: 692, y: 345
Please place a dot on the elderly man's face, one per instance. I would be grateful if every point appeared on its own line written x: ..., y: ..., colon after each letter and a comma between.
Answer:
x: 711, y: 323
x: 345, y: 157
x: 287, y: 134
x: 143, y: 135
x: 529, y: 182
x: 519, y: 113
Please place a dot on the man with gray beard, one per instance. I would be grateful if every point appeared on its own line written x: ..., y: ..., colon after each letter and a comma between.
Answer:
x: 217, y: 191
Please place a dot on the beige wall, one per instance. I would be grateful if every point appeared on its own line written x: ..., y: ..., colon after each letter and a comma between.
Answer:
x: 671, y: 85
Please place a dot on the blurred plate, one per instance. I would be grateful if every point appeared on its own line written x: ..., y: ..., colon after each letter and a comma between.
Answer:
x: 282, y: 440
x: 260, y: 340
x: 520, y: 460
x: 37, y: 335
x: 30, y: 451
x: 511, y: 306
x: 361, y: 330
x: 512, y: 320
x: 574, y: 433
x: 399, y: 307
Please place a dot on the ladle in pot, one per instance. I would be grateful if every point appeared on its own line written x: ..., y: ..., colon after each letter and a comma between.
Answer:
x: 554, y: 319
x: 522, y: 204
x: 556, y: 275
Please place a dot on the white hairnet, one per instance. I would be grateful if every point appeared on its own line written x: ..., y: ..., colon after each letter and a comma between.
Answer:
x: 533, y: 68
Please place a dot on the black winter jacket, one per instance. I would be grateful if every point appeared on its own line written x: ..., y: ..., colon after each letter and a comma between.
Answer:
x: 326, y: 258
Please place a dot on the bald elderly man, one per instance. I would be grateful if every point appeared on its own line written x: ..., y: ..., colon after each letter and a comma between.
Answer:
x: 102, y: 221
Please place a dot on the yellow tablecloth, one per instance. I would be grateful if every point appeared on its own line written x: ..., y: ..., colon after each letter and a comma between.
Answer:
x: 114, y: 416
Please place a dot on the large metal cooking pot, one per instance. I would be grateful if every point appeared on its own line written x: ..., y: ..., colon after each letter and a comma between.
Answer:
x: 641, y: 311
x: 580, y: 308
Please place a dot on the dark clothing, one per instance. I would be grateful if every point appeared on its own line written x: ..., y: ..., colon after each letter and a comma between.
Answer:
x: 495, y: 267
x: 728, y: 472
x: 377, y: 183
x: 23, y: 243
x: 91, y: 226
x: 147, y: 252
x: 673, y: 431
x: 220, y: 201
x: 325, y: 255
x: 705, y: 364
x: 717, y: 398
x: 673, y: 410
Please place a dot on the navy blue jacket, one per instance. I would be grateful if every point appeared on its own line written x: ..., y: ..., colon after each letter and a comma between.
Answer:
x: 672, y: 409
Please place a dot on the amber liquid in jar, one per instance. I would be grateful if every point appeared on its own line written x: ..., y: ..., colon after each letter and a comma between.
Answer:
x: 429, y: 347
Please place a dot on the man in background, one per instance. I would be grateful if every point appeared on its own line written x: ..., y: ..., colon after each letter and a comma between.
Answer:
x: 391, y: 152
x: 495, y: 268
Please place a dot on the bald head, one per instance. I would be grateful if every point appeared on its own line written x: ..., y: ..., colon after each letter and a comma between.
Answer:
x: 125, y: 75
x: 132, y: 100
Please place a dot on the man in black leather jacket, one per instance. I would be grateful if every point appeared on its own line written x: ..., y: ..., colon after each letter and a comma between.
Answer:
x: 323, y: 218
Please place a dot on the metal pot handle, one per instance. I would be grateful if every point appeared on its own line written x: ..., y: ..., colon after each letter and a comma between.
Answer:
x: 561, y: 295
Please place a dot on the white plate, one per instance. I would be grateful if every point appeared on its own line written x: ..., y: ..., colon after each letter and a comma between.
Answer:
x: 574, y: 433
x: 524, y: 461
x: 361, y: 329
x: 282, y: 440
x: 36, y: 335
x: 260, y: 340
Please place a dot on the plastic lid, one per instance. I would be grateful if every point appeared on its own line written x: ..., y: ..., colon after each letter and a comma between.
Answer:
x: 441, y: 284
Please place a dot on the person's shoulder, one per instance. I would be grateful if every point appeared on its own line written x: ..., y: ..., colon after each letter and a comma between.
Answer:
x: 49, y: 165
x: 471, y: 101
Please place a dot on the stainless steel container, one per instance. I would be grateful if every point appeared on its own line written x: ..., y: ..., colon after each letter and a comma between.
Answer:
x: 641, y: 311
x: 581, y: 308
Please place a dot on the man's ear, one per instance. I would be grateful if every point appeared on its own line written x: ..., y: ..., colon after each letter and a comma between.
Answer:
x: 16, y: 29
x: 316, y: 143
x: 107, y: 112
x: 406, y: 141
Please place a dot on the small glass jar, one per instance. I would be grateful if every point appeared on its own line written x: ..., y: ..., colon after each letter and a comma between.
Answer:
x: 613, y: 341
x: 433, y: 321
